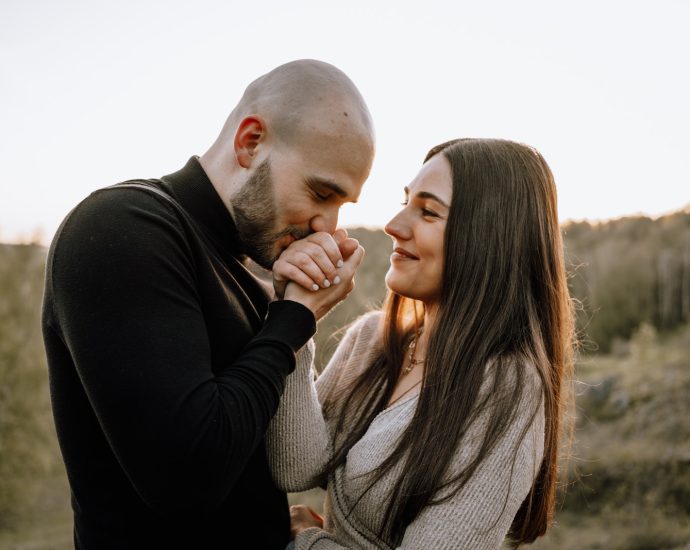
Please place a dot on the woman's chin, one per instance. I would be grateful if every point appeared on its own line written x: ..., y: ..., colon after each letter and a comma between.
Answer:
x: 395, y: 285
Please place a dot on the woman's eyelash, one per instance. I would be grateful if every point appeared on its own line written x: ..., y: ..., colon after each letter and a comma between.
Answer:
x: 425, y: 211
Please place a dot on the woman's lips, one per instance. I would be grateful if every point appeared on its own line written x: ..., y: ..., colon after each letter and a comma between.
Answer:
x: 402, y: 254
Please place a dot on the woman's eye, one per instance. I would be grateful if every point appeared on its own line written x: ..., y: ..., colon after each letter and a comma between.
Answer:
x: 404, y: 203
x: 321, y: 197
x: 427, y: 212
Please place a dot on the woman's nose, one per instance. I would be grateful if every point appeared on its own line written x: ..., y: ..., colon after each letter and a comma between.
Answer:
x: 398, y: 228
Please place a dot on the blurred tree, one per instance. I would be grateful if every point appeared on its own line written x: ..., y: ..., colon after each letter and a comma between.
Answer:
x: 24, y: 401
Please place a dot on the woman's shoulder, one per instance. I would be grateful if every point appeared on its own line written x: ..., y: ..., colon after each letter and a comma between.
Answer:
x: 367, y: 327
x: 369, y: 323
x: 362, y: 339
x: 360, y: 344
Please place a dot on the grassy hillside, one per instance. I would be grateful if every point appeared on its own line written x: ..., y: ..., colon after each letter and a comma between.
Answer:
x: 630, y: 463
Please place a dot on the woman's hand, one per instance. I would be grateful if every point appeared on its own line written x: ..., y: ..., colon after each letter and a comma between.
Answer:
x: 313, y: 262
x: 303, y: 517
x: 330, y: 260
x: 322, y: 301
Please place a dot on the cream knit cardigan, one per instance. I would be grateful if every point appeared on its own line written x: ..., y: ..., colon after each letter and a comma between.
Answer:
x: 300, y: 441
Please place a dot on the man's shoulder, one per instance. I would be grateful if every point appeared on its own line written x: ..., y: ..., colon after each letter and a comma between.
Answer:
x: 117, y: 207
x: 125, y: 195
x: 119, y: 219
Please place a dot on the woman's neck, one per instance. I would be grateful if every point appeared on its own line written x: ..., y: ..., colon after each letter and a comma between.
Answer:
x: 429, y: 321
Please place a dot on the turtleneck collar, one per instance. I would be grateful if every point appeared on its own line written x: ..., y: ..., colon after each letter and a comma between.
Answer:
x: 194, y: 191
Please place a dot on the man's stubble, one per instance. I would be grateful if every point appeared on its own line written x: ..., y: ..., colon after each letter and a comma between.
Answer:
x: 256, y: 219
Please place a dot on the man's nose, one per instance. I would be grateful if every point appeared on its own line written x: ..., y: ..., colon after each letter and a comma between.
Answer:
x: 327, y: 221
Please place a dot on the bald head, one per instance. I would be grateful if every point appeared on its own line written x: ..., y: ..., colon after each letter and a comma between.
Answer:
x: 297, y: 97
x: 298, y: 105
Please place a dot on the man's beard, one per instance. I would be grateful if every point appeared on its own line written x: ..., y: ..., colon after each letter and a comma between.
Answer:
x: 255, y: 218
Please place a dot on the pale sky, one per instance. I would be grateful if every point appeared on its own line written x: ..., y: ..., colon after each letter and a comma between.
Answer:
x: 92, y: 93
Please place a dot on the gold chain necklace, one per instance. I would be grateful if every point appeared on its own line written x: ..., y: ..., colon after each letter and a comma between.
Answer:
x: 413, y: 348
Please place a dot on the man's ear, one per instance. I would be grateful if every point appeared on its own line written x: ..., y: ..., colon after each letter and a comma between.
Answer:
x: 250, y: 132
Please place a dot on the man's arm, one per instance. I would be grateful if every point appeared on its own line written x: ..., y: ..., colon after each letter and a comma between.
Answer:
x: 125, y: 304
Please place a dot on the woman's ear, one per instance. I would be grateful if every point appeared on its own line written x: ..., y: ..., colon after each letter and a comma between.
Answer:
x: 250, y: 133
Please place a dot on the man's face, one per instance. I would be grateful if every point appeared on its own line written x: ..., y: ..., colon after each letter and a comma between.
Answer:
x: 297, y: 191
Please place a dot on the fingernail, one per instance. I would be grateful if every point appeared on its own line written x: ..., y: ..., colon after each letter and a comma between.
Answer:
x: 326, y: 283
x: 336, y: 280
x: 339, y: 263
x: 315, y: 287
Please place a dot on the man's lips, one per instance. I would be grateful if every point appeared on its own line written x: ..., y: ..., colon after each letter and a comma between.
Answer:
x: 401, y: 253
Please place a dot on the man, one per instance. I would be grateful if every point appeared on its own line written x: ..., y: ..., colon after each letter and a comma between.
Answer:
x: 166, y: 359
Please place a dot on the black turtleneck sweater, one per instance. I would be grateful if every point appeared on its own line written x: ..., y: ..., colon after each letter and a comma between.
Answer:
x: 166, y: 365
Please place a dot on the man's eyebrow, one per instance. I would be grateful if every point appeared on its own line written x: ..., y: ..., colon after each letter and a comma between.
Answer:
x: 315, y: 181
x: 427, y: 195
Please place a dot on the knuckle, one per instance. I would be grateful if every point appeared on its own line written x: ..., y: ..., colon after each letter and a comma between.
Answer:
x: 292, y: 272
x: 302, y: 260
x: 315, y: 251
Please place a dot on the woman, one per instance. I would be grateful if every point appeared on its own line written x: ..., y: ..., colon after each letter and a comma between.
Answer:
x: 441, y: 415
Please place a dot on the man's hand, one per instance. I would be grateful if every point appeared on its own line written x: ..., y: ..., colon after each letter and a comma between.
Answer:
x: 301, y: 518
x: 313, y: 262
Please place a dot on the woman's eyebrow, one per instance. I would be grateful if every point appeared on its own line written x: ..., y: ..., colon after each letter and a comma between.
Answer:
x: 427, y: 195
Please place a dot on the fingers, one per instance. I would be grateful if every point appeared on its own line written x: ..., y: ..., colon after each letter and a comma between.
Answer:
x: 329, y: 245
x: 352, y: 263
x: 340, y: 235
x: 303, y: 517
x: 347, y: 247
x: 315, y: 262
x: 284, y: 271
x: 311, y: 262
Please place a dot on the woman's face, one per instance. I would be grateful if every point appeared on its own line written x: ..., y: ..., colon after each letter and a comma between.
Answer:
x: 417, y: 230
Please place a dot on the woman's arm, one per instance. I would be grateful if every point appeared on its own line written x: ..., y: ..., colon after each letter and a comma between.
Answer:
x: 298, y: 439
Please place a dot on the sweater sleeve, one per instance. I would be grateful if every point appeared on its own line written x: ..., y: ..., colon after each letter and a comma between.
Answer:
x: 299, y: 442
x: 123, y: 300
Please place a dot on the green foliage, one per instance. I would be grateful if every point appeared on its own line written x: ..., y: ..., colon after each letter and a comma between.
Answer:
x: 24, y: 406
x: 627, y: 272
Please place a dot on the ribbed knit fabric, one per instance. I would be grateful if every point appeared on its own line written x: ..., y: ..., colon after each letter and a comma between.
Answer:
x: 300, y: 442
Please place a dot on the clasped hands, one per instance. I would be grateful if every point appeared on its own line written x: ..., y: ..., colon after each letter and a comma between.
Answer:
x: 318, y: 271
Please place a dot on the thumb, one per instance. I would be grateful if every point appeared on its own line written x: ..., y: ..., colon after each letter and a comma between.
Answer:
x: 340, y: 235
x: 355, y: 258
x: 347, y: 247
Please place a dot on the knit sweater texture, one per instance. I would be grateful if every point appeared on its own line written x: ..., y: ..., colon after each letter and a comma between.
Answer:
x: 300, y: 442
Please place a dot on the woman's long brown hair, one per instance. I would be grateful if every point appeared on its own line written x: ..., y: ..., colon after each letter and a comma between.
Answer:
x: 505, y: 302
